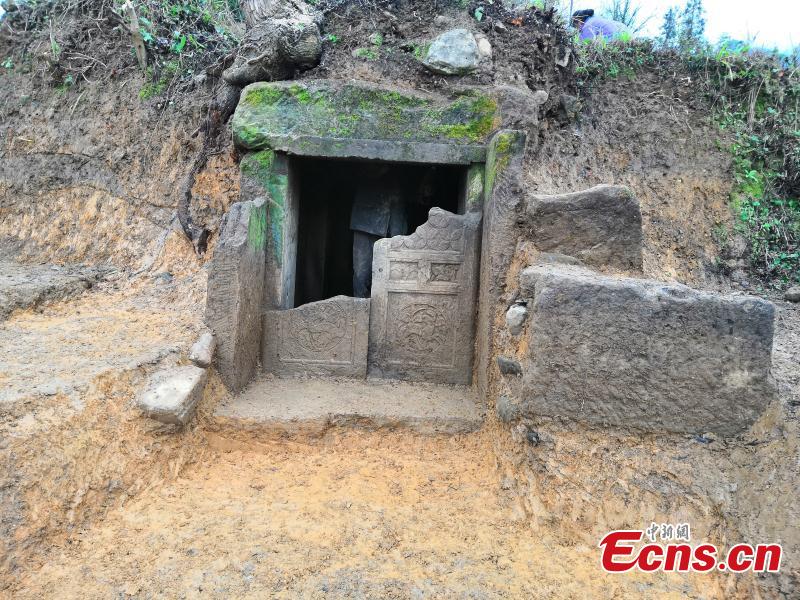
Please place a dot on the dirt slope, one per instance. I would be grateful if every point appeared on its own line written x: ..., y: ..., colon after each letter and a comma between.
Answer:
x: 386, y: 515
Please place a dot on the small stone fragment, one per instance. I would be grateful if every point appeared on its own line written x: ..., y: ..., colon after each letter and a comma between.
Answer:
x: 515, y: 318
x: 533, y: 437
x: 508, y: 366
x: 454, y: 52
x: 163, y: 278
x: 172, y: 394
x: 793, y: 294
x: 484, y: 47
x: 507, y: 410
x: 202, y: 352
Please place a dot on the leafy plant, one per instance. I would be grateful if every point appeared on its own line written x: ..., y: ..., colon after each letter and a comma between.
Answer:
x: 627, y: 12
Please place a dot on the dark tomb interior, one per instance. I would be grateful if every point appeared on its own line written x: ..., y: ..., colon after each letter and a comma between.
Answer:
x: 327, y: 191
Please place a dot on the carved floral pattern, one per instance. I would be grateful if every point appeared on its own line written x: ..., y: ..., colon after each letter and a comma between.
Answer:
x: 316, y: 328
x: 444, y: 272
x: 422, y: 330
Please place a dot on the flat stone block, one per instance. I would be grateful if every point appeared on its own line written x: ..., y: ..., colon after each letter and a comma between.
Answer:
x: 273, y: 407
x: 171, y: 395
x: 644, y: 354
x: 328, y: 337
x: 601, y: 226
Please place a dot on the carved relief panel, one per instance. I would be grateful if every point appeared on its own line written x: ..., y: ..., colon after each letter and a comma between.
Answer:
x: 328, y: 337
x: 422, y: 313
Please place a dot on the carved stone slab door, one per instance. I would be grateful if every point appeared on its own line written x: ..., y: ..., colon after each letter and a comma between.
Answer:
x: 422, y: 312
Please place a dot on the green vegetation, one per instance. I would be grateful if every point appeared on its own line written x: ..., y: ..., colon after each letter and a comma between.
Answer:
x: 498, y: 157
x: 366, y: 53
x: 480, y: 118
x: 155, y: 86
x: 627, y: 12
x: 354, y: 111
x: 182, y: 37
x: 754, y: 95
x: 63, y: 87
x: 260, y: 166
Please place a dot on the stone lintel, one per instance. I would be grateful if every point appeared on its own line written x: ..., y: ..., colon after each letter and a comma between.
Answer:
x: 387, y: 150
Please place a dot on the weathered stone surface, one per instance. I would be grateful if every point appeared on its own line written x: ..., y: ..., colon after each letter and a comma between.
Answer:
x: 171, y: 395
x: 601, y: 226
x: 308, y: 407
x: 360, y: 120
x: 503, y: 188
x: 515, y: 318
x: 508, y: 366
x: 792, y: 294
x: 454, y: 52
x: 422, y: 314
x: 507, y: 409
x: 520, y: 107
x: 265, y: 177
x: 643, y: 354
x: 202, y: 351
x: 328, y: 337
x: 235, y: 291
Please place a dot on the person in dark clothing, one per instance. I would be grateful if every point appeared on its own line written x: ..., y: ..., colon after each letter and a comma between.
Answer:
x: 378, y: 211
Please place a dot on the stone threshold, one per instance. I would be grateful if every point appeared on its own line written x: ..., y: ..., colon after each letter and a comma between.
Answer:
x: 275, y: 408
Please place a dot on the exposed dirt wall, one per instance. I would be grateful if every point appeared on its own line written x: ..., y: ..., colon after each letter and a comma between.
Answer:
x: 655, y: 136
x: 92, y: 174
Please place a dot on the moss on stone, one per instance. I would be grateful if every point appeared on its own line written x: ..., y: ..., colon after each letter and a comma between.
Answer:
x: 262, y: 96
x: 257, y: 228
x: 359, y: 112
x: 259, y: 166
x: 502, y: 146
x: 475, y: 187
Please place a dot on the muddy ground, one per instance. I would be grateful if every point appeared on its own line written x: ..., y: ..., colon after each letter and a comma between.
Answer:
x: 100, y: 502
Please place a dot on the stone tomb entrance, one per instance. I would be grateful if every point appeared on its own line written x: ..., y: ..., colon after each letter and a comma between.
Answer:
x: 285, y: 286
x: 409, y: 312
x: 327, y: 190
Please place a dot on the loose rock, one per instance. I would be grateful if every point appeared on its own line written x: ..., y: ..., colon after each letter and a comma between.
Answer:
x: 455, y: 52
x: 202, y: 352
x: 508, y: 366
x: 172, y: 394
x: 507, y: 409
x: 793, y: 294
x: 484, y: 47
x: 515, y: 318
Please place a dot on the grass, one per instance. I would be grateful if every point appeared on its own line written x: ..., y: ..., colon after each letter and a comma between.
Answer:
x: 754, y: 98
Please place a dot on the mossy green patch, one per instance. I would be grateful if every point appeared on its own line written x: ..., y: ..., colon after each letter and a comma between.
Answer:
x: 262, y: 96
x: 257, y: 228
x: 501, y: 148
x: 259, y: 166
x: 356, y: 111
x: 475, y: 187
